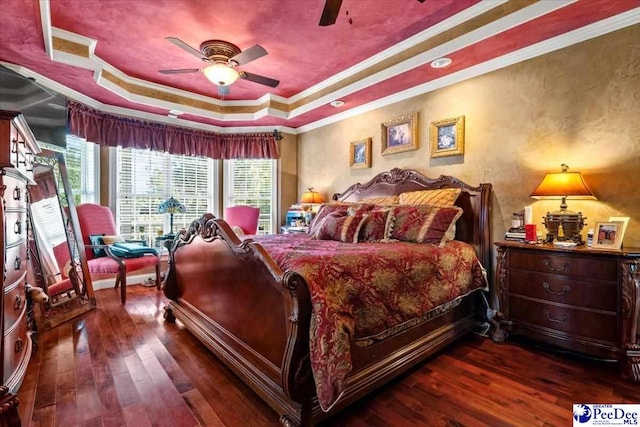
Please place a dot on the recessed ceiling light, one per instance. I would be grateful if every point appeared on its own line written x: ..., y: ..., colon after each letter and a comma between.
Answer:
x: 172, y: 116
x: 337, y: 103
x: 175, y: 112
x: 441, y: 62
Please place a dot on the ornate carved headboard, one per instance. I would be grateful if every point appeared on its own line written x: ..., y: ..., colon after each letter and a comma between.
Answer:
x: 473, y: 227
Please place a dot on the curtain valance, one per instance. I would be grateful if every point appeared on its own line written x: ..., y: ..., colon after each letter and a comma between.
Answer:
x: 107, y: 129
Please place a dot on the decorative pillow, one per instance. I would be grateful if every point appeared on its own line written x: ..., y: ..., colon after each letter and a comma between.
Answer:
x: 324, y: 210
x: 341, y: 228
x: 96, y: 239
x: 343, y: 207
x: 424, y: 224
x: 440, y: 197
x: 382, y: 200
x: 374, y: 228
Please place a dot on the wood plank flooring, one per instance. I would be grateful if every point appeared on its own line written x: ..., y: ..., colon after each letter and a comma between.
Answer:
x: 124, y: 366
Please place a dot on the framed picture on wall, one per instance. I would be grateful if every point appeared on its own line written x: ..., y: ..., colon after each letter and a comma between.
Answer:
x: 360, y: 154
x: 447, y: 137
x: 608, y: 235
x: 400, y: 134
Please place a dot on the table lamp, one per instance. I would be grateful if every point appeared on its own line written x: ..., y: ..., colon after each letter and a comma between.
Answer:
x: 171, y: 206
x: 310, y: 200
x: 563, y: 224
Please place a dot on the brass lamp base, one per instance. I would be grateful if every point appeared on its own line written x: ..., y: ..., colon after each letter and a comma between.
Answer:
x: 564, y: 225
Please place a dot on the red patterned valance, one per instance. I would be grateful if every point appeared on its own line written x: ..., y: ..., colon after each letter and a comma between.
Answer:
x: 107, y: 129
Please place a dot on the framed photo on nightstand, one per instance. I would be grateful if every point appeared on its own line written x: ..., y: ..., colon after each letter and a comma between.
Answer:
x: 608, y: 235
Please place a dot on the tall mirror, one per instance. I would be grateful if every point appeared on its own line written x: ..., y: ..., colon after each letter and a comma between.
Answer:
x: 58, y: 260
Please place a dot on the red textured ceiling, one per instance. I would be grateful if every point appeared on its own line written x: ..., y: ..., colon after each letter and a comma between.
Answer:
x: 130, y: 37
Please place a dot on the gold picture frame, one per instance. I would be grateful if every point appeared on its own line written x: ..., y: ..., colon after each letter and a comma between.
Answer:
x: 608, y: 235
x: 446, y: 137
x: 360, y: 154
x: 400, y: 134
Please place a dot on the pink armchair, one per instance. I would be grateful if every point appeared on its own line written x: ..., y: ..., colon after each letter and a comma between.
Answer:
x: 245, y: 217
x: 95, y: 221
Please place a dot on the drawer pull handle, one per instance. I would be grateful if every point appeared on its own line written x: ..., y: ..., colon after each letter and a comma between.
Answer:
x: 17, y: 193
x: 565, y: 317
x: 17, y: 227
x: 19, y: 345
x: 17, y: 264
x: 17, y: 303
x: 565, y: 289
x: 547, y: 264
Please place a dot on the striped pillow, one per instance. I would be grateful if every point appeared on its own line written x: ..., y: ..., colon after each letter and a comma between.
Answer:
x: 341, y: 228
x: 439, y: 197
x: 424, y: 224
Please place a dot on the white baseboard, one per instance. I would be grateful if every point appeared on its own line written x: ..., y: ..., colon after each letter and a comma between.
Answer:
x: 131, y: 280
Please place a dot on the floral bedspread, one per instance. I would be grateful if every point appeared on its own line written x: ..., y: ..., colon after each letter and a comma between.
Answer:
x: 363, y: 289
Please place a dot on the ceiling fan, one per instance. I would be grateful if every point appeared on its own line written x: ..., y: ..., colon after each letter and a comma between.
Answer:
x: 331, y: 10
x: 223, y: 58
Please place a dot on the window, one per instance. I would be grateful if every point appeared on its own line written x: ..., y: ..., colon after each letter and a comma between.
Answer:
x: 81, y: 160
x: 253, y: 182
x: 147, y: 178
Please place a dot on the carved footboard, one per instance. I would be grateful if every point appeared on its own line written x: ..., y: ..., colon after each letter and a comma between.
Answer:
x: 238, y: 302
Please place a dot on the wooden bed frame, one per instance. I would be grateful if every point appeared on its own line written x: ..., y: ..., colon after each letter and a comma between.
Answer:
x: 234, y: 298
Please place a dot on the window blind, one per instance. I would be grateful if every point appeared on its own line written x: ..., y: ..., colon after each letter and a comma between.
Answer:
x: 147, y: 178
x: 80, y: 159
x: 252, y: 182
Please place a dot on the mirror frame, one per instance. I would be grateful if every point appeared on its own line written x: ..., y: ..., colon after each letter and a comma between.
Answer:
x: 50, y: 315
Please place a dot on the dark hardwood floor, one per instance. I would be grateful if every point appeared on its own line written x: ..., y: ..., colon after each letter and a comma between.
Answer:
x: 124, y: 366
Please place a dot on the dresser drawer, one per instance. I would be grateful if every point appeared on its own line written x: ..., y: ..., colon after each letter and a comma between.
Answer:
x: 596, y: 325
x: 15, y: 264
x: 15, y: 226
x: 588, y: 267
x: 556, y: 288
x: 15, y: 195
x: 15, y: 345
x: 14, y: 302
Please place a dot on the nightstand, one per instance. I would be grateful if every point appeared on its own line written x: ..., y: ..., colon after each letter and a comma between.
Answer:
x: 580, y: 299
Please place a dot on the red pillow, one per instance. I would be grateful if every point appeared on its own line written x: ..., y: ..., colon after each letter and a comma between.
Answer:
x: 345, y: 208
x: 325, y: 210
x: 424, y: 224
x: 341, y: 228
x: 375, y: 226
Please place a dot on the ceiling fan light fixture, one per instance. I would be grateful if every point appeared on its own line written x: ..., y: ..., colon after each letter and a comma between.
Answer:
x: 220, y: 74
x: 441, y: 62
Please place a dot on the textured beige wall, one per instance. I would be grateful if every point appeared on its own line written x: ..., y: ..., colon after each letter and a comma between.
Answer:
x: 288, y: 169
x: 579, y: 105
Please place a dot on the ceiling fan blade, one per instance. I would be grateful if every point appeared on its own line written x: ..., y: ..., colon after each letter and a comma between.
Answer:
x: 180, y: 71
x: 182, y: 45
x: 250, y: 54
x: 256, y: 78
x: 330, y: 12
x: 421, y: 1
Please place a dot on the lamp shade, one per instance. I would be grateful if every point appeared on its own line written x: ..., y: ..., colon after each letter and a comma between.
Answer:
x: 311, y: 196
x: 220, y: 74
x: 171, y: 206
x: 562, y: 185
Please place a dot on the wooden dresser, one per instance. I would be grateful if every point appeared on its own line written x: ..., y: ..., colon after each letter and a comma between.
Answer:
x: 17, y: 150
x: 580, y: 299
